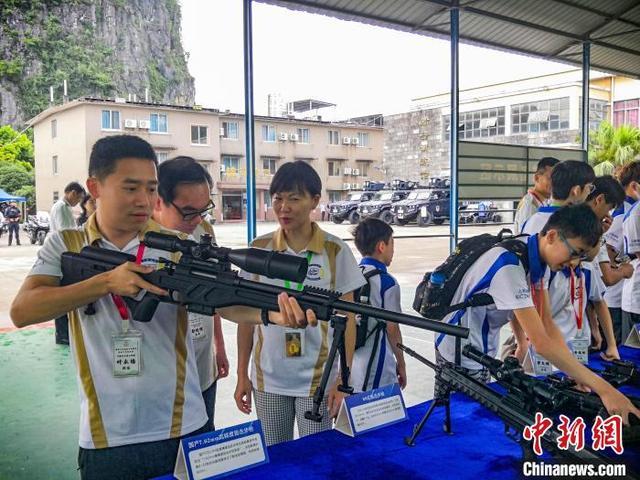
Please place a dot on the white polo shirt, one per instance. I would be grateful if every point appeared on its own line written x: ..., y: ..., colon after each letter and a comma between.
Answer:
x: 615, y: 238
x: 498, y: 273
x: 528, y: 206
x: 274, y: 368
x: 538, y: 220
x: 384, y: 292
x: 61, y: 216
x: 165, y: 400
x: 631, y: 231
x: 201, y: 328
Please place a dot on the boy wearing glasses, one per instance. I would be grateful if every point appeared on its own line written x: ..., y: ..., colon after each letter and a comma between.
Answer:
x: 570, y: 232
x: 184, y: 200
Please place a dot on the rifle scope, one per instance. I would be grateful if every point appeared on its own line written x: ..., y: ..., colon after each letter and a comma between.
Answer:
x: 253, y: 260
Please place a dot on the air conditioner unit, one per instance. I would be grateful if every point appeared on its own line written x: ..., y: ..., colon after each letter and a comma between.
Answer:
x: 356, y: 171
x: 222, y: 132
x: 129, y: 123
x: 293, y: 137
x: 283, y: 137
x: 120, y: 100
x: 355, y: 141
x: 346, y: 186
x: 144, y: 124
x: 346, y: 140
x: 347, y: 170
x: 222, y: 168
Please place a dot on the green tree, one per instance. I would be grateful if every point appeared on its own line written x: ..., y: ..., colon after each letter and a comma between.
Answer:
x: 29, y: 192
x: 610, y: 147
x: 13, y: 177
x: 15, y: 148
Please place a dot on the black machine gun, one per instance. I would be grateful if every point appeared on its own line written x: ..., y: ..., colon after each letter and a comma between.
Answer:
x: 508, y: 406
x: 620, y: 372
x: 203, y: 281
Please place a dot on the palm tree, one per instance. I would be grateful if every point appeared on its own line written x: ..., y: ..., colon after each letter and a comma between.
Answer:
x: 610, y: 147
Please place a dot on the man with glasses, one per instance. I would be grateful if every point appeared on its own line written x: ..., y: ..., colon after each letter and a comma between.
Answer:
x: 184, y: 200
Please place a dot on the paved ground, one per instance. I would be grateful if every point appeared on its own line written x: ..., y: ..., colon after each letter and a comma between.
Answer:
x: 38, y: 399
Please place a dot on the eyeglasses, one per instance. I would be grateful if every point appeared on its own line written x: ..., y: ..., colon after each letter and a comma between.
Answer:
x: 189, y: 215
x: 591, y: 187
x: 572, y: 251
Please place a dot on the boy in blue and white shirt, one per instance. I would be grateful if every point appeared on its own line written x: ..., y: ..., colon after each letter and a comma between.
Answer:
x: 379, y: 361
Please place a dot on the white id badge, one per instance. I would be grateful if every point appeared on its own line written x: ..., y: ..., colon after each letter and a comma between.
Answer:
x: 580, y: 349
x: 127, y: 353
x: 293, y: 343
x: 541, y: 366
x: 196, y: 325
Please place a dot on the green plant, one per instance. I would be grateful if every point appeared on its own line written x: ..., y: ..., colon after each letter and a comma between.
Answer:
x: 13, y: 177
x: 15, y: 148
x: 29, y: 192
x: 610, y: 147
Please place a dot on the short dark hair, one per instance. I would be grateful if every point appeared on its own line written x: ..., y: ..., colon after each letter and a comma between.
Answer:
x: 575, y: 221
x: 369, y: 232
x: 296, y: 176
x: 74, y: 187
x: 610, y: 187
x: 568, y: 174
x: 546, y: 162
x: 179, y: 171
x: 630, y: 173
x: 107, y: 151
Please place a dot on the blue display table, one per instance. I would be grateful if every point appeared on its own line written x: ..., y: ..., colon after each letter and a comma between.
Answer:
x: 478, y: 448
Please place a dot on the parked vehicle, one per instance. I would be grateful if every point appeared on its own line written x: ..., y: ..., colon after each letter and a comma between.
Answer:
x: 479, y: 212
x: 380, y: 205
x: 407, y: 210
x: 37, y: 227
x: 348, y: 209
x: 435, y: 209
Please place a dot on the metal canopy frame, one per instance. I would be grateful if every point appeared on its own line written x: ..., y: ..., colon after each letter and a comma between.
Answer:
x: 590, y: 33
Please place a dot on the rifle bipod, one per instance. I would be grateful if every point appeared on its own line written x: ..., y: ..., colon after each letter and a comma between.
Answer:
x: 446, y: 426
x: 339, y: 325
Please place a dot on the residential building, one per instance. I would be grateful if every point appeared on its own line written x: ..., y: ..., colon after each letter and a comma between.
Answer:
x: 344, y: 154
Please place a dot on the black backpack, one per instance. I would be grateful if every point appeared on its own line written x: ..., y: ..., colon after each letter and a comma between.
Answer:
x: 436, y: 290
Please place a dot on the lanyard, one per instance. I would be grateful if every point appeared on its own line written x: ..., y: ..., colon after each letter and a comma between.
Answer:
x: 538, y: 199
x: 580, y: 297
x: 117, y: 299
x: 537, y: 294
x: 299, y: 286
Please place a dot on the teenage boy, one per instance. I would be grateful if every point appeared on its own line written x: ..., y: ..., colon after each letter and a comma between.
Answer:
x: 184, y: 199
x: 631, y: 289
x: 569, y: 233
x: 614, y: 238
x: 379, y: 361
x: 537, y: 196
x: 571, y: 183
x: 130, y: 421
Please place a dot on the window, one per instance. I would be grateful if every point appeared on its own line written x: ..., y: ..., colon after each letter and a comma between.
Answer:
x: 364, y: 168
x: 303, y: 135
x: 626, y: 113
x: 230, y: 130
x: 334, y: 137
x: 334, y: 169
x: 199, y: 135
x: 54, y: 128
x: 540, y: 116
x: 268, y: 133
x: 158, y: 123
x: 230, y: 162
x: 110, y: 120
x: 56, y: 196
x: 269, y: 165
x: 54, y: 162
x: 334, y: 196
x: 162, y: 156
x: 598, y: 112
x: 477, y: 124
x: 363, y: 139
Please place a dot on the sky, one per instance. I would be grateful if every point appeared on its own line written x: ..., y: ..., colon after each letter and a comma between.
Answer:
x: 362, y: 68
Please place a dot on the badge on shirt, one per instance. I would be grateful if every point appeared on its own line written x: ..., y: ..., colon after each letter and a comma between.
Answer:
x: 580, y: 348
x: 127, y: 353
x: 293, y: 343
x: 196, y: 325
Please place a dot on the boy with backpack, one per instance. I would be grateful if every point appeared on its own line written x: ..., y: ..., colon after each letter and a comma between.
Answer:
x: 377, y: 360
x: 516, y: 280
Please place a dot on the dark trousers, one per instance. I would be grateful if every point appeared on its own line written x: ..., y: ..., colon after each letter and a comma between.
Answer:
x: 14, y: 229
x: 131, y: 462
x: 62, y: 330
x: 616, y: 319
x: 209, y: 396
